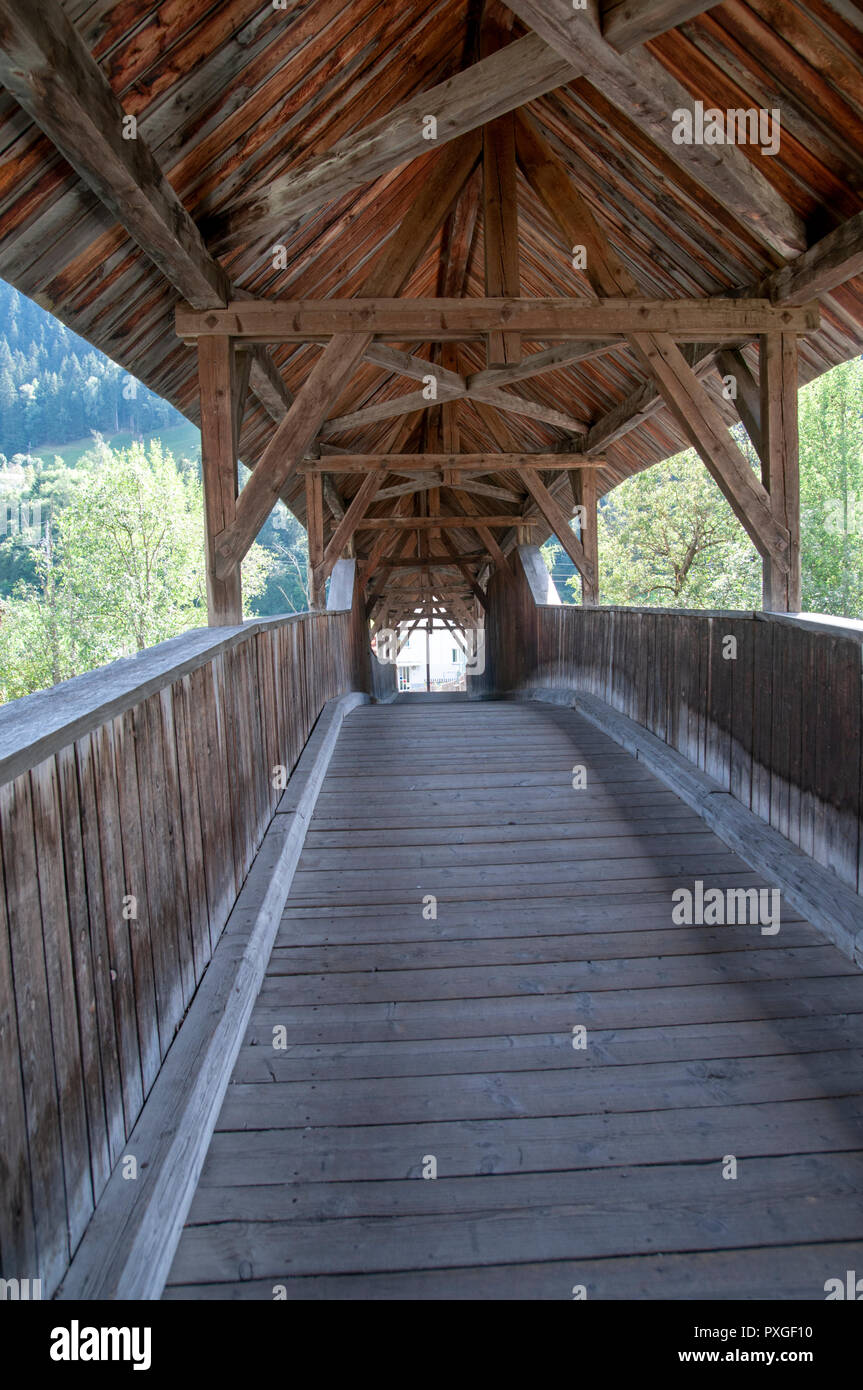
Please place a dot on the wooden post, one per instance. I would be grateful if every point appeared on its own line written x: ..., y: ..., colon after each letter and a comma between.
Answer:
x: 584, y: 495
x: 780, y: 464
x: 315, y: 532
x: 217, y: 380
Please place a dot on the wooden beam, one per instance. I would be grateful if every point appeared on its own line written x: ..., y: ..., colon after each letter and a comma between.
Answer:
x: 626, y: 23
x: 780, y: 466
x: 584, y: 495
x: 704, y: 427
x: 641, y: 403
x: 49, y: 70
x: 456, y: 558
x: 518, y: 73
x: 315, y: 533
x: 447, y: 463
x: 336, y: 364
x: 417, y: 368
x: 559, y: 523
x: 217, y: 385
x: 833, y: 260
x: 500, y: 213
x: 686, y: 398
x: 826, y: 265
x: 440, y: 320
x: 433, y: 482
x: 747, y: 399
x: 549, y: 360
x: 332, y: 497
x: 482, y: 530
x: 384, y: 545
x: 436, y: 562
x: 417, y: 400
x: 347, y: 526
x: 424, y: 523
x: 266, y: 381
x: 242, y: 367
x: 647, y: 94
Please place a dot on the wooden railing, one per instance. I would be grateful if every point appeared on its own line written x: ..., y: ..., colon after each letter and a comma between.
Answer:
x: 768, y: 706
x: 132, y: 802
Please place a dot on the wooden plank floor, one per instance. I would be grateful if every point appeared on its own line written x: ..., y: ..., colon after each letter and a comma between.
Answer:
x: 411, y: 1036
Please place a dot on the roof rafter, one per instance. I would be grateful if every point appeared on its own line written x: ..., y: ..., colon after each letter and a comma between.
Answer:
x: 51, y: 73
x: 645, y: 91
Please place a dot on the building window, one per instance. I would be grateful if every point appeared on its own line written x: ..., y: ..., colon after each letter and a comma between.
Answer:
x: 404, y: 678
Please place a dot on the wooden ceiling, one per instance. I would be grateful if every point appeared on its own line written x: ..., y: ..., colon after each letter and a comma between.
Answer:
x: 232, y: 97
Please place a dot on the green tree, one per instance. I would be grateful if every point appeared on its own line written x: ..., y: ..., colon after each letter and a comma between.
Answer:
x: 667, y: 537
x: 831, y: 491
x: 121, y: 568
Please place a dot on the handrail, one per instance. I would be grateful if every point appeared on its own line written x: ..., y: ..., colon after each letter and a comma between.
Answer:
x: 36, y: 726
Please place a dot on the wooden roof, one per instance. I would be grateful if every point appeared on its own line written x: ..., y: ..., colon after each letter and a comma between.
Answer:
x: 230, y: 97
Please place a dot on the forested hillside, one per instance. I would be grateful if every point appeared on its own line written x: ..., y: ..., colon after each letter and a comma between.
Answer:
x: 55, y: 388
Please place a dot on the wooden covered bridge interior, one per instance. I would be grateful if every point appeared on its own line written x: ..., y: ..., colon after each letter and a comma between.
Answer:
x: 310, y: 990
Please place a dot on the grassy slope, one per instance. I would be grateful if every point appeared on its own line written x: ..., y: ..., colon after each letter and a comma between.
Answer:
x: 182, y: 440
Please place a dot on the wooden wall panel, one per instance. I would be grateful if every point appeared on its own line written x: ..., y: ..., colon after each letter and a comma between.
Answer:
x: 780, y: 725
x: 167, y: 801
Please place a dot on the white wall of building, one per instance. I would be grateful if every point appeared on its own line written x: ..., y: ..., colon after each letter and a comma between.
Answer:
x: 447, y: 660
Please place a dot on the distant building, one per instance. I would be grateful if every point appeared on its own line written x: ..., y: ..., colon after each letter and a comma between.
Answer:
x: 447, y: 661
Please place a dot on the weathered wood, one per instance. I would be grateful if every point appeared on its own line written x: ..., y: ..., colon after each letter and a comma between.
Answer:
x: 128, y: 1249
x: 424, y: 523
x: 418, y: 400
x: 703, y: 425
x: 50, y: 71
x: 837, y: 257
x: 560, y: 524
x: 52, y: 74
x: 333, y: 369
x: 17, y: 1229
x: 219, y: 418
x: 449, y: 463
x: 128, y: 851
x: 780, y: 465
x: 584, y: 496
x: 484, y: 1017
x: 626, y: 23
x: 315, y: 530
x: 518, y: 73
x: 500, y: 214
x: 747, y: 401
x: 65, y: 1039
x: 647, y: 93
x: 352, y: 518
x: 827, y: 264
x: 472, y: 317
x: 31, y: 993
x: 695, y: 412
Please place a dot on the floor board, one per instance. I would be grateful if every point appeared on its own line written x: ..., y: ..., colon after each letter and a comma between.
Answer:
x: 460, y: 918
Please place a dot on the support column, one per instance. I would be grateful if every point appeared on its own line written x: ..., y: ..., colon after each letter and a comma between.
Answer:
x: 780, y: 464
x: 584, y: 492
x: 217, y: 379
x: 315, y: 532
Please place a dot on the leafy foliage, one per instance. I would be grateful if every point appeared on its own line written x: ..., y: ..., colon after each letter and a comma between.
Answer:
x: 119, y: 568
x: 667, y: 537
